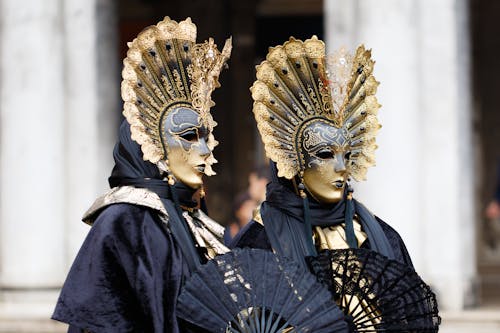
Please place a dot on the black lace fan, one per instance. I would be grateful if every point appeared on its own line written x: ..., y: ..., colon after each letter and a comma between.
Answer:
x: 252, y: 290
x: 377, y: 294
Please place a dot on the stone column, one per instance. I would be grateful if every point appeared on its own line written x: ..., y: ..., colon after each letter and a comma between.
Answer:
x: 32, y: 142
x: 449, y: 163
x: 59, y: 93
x: 92, y: 106
x: 422, y: 184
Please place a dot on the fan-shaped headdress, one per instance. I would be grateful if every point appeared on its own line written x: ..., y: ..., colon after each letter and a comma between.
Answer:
x: 297, y: 85
x: 166, y: 69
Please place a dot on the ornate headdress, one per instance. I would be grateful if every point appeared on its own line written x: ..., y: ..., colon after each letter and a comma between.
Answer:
x: 166, y: 69
x: 297, y: 84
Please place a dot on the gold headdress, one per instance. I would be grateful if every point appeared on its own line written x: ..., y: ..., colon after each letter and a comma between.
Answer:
x: 165, y: 69
x: 297, y: 84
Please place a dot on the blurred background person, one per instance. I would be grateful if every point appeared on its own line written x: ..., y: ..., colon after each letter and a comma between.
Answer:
x: 246, y: 202
x: 243, y: 207
x: 493, y: 208
x: 257, y: 182
x: 492, y: 214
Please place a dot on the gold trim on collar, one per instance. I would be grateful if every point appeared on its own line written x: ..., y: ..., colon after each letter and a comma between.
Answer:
x: 124, y: 194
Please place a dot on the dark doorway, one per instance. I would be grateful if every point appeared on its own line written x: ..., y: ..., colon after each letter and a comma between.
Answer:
x: 275, y: 30
x: 486, y: 87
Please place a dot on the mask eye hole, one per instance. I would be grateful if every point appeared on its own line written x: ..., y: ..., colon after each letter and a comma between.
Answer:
x: 325, y: 154
x: 347, y: 155
x: 203, y: 133
x: 191, y: 136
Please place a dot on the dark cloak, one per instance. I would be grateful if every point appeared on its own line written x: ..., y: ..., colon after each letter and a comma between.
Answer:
x: 130, y: 269
x: 283, y: 230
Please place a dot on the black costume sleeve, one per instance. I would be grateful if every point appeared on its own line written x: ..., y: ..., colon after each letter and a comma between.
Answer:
x: 125, y: 278
x: 253, y: 235
x: 397, y: 244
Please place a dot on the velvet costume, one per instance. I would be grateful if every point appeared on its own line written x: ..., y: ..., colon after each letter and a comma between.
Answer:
x: 130, y: 268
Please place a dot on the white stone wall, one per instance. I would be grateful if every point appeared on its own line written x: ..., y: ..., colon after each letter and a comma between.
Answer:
x: 32, y: 144
x: 92, y: 103
x: 59, y: 104
x: 423, y: 183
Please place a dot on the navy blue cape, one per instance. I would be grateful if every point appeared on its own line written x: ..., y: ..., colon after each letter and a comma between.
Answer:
x: 126, y: 277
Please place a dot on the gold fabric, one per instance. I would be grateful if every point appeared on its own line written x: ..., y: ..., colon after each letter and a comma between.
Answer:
x: 207, y: 233
x: 331, y: 238
x: 256, y: 215
x: 124, y: 194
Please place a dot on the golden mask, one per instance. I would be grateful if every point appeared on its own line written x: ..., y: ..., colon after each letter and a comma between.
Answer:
x: 189, y: 146
x: 317, y: 115
x: 324, y: 154
x: 167, y: 84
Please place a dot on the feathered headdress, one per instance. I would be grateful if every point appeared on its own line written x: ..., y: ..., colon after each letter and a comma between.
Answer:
x: 297, y: 84
x: 165, y: 69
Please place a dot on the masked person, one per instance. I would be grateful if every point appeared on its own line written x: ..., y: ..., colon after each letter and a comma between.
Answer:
x: 317, y: 117
x: 147, y: 233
